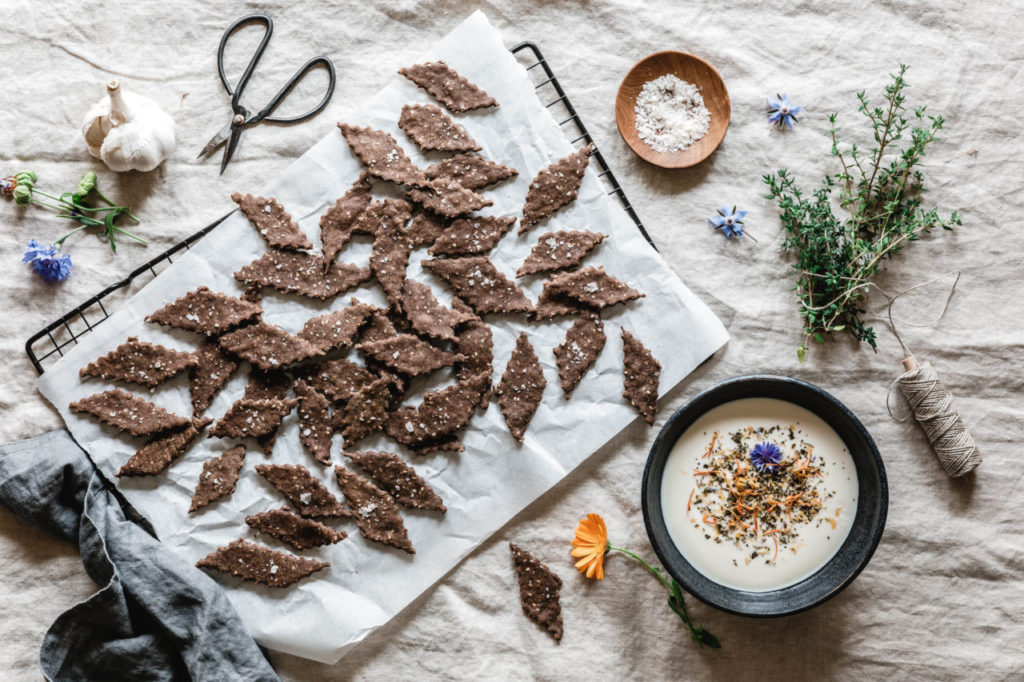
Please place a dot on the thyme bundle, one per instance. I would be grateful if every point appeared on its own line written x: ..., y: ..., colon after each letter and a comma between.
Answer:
x: 836, y: 257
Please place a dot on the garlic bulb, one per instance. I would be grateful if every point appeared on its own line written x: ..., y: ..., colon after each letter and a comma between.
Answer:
x: 128, y: 131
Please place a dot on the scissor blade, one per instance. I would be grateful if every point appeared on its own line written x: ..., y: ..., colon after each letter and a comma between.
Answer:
x: 236, y: 134
x: 216, y: 141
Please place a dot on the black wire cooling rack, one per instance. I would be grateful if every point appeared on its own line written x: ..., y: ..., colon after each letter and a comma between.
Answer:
x: 48, y: 344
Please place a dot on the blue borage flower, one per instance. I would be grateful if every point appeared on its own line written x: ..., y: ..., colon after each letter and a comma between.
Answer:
x: 766, y: 456
x: 781, y: 112
x: 47, y: 261
x: 730, y: 222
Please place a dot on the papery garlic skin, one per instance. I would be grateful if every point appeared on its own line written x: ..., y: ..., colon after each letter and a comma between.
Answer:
x: 128, y: 131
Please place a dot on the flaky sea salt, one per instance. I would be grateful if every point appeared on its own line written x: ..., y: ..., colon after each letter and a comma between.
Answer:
x: 670, y: 114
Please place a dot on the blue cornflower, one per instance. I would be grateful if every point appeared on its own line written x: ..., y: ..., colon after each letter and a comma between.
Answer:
x: 781, y: 112
x: 729, y: 222
x: 47, y: 261
x: 765, y: 456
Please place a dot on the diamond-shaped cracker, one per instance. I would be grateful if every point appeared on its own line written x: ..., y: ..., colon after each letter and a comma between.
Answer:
x: 442, y: 444
x: 539, y: 590
x: 314, y: 422
x: 382, y: 155
x: 211, y: 373
x: 398, y: 479
x: 289, y: 527
x: 249, y: 417
x: 592, y: 287
x: 558, y: 251
x: 426, y: 314
x: 641, y: 372
x: 374, y: 510
x: 156, y: 455
x: 448, y: 198
x: 583, y: 343
x: 302, y: 274
x: 218, y: 478
x: 476, y: 281
x: 128, y: 412
x: 391, y: 248
x: 425, y: 228
x: 521, y: 387
x: 273, y: 223
x: 476, y: 343
x: 407, y: 354
x: 444, y: 84
x: 472, y: 236
x: 306, y: 493
x: 442, y: 413
x: 434, y: 130
x: 365, y: 412
x: 338, y: 379
x: 260, y: 564
x: 206, y: 312
x: 554, y: 187
x: 550, y: 306
x: 266, y: 346
x: 336, y: 330
x: 472, y: 171
x: 139, y: 362
x: 272, y: 385
x: 337, y: 223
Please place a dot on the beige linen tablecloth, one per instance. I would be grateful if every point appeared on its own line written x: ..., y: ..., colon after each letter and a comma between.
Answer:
x: 942, y: 597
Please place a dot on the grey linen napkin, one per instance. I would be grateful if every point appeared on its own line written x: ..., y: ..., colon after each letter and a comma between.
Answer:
x: 156, y: 616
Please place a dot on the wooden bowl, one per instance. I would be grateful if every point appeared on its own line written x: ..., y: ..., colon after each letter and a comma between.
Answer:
x: 692, y: 70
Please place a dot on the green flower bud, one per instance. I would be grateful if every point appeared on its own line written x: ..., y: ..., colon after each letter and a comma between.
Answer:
x: 22, y: 194
x: 85, y: 185
x: 26, y: 178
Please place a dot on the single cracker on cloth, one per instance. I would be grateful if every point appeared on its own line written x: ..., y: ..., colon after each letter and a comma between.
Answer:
x: 308, y: 495
x: 559, y: 251
x: 291, y: 528
x: 273, y: 223
x: 476, y: 281
x: 448, y: 87
x: 554, y: 187
x: 389, y: 257
x: 260, y: 564
x: 129, y: 412
x: 253, y: 417
x: 364, y: 413
x: 398, y: 479
x: 434, y: 130
x: 314, y: 422
x: 521, y: 387
x: 641, y: 372
x: 156, y: 455
x: 472, y: 171
x: 206, y: 312
x: 408, y: 354
x: 218, y: 477
x: 336, y: 225
x: 335, y: 330
x: 539, y: 590
x: 139, y: 362
x: 578, y: 353
x: 592, y: 287
x: 441, y: 414
x: 267, y: 346
x: 210, y: 374
x: 382, y: 155
x: 472, y: 236
x: 375, y: 511
x: 448, y: 198
x: 304, y: 274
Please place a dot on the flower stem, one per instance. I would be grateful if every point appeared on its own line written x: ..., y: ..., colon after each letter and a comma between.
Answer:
x: 654, y: 570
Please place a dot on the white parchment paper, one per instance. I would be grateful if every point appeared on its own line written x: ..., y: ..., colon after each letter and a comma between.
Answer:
x: 495, y: 477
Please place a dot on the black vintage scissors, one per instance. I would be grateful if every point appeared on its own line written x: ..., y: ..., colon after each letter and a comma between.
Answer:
x: 242, y: 118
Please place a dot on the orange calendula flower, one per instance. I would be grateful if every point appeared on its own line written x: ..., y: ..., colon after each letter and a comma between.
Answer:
x: 590, y: 545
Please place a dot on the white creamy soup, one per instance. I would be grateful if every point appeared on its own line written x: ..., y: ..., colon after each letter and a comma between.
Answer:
x: 759, y: 493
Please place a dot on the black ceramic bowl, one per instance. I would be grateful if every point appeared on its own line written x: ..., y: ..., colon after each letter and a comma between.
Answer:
x: 842, y: 568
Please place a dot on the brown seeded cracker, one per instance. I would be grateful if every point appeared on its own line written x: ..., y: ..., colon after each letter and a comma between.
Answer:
x: 139, y: 362
x: 211, y: 373
x: 375, y: 511
x: 249, y: 417
x: 336, y: 330
x: 443, y: 444
x: 391, y: 248
x: 307, y: 494
x: 338, y: 379
x: 476, y: 281
x: 442, y: 413
x: 260, y: 564
x: 336, y: 224
x: 551, y: 305
x: 298, y: 532
x: 474, y: 235
x: 521, y: 387
x: 539, y: 590
x: 408, y: 354
x: 641, y: 372
x: 382, y: 156
x: 554, y: 187
x: 314, y: 422
x: 266, y: 346
x: 272, y: 385
x: 434, y: 130
x: 558, y: 251
x: 206, y: 312
x: 366, y: 411
x: 426, y: 314
x: 472, y: 171
x: 398, y: 479
x: 425, y: 228
x: 273, y: 223
x: 476, y: 343
x: 128, y: 412
x: 448, y: 198
x: 302, y: 274
x: 218, y: 478
x: 583, y: 343
x: 378, y: 326
x: 445, y: 85
x: 592, y: 287
x: 156, y: 455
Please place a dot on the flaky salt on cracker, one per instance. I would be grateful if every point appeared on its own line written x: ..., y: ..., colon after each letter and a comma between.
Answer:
x: 521, y: 387
x: 592, y: 287
x: 211, y: 373
x: 391, y: 248
x: 398, y: 479
x: 559, y: 251
x: 302, y: 273
x: 382, y: 155
x: 206, y: 312
x: 291, y: 528
x: 336, y: 330
x: 375, y: 511
x: 139, y: 362
x: 641, y: 372
x: 442, y: 413
x: 448, y: 198
x: 476, y: 281
x: 554, y: 187
x: 472, y: 236
x: 550, y: 306
x: 253, y: 418
x: 308, y: 495
x: 260, y: 564
x: 408, y: 354
x: 273, y: 223
x: 314, y: 422
x: 578, y: 353
x: 271, y: 385
x: 365, y: 413
x: 338, y: 379
x: 425, y: 228
x: 336, y: 225
x: 539, y: 590
x: 434, y: 130
x: 156, y: 455
x: 129, y: 413
x: 426, y: 314
x: 476, y: 343
x: 472, y: 171
x: 218, y: 478
x: 267, y: 346
x: 444, y: 84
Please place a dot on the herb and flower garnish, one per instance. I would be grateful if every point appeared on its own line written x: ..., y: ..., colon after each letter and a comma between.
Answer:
x: 765, y: 456
x: 590, y: 547
x: 782, y: 113
x: 730, y: 222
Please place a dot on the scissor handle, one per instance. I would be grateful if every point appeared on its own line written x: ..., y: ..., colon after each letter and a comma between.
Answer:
x: 252, y: 18
x: 264, y: 114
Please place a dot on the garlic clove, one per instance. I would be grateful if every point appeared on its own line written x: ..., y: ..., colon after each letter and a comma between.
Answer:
x: 128, y: 131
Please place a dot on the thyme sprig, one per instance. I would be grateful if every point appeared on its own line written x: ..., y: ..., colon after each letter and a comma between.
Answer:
x: 836, y: 257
